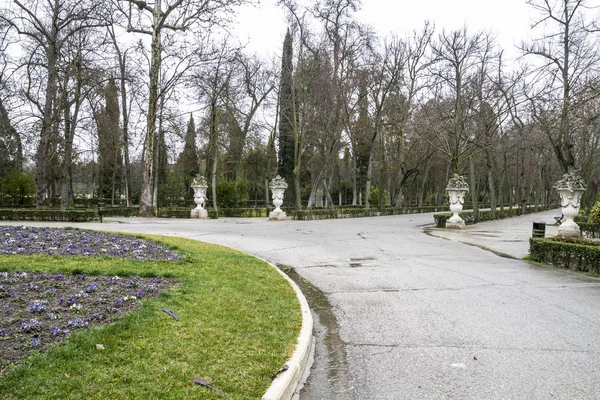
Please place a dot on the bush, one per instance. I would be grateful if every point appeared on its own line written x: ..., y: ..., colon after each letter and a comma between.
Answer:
x: 20, y: 187
x: 595, y: 214
x: 232, y: 194
x: 575, y: 254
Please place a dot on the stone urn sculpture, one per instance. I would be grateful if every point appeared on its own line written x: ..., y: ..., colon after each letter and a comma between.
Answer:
x: 457, y: 188
x: 199, y: 185
x: 277, y: 186
x: 570, y: 188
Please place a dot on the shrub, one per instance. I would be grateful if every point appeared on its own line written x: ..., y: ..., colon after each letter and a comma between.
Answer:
x: 576, y: 254
x: 595, y: 214
x: 232, y: 194
x: 19, y: 186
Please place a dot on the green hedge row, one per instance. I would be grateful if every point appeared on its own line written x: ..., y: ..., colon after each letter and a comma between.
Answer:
x: 591, y: 231
x: 358, y: 212
x: 120, y: 211
x: 48, y: 215
x: 578, y: 254
x: 180, y: 212
x: 484, y: 215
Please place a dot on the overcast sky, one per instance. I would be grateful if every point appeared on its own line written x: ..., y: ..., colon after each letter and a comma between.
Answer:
x: 510, y: 20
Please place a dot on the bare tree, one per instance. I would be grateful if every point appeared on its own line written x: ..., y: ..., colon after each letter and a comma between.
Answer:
x: 385, y: 74
x: 45, y: 27
x: 568, y: 61
x: 165, y: 15
x: 458, y: 57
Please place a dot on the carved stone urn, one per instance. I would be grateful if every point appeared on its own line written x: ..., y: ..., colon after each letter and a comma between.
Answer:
x: 277, y: 186
x: 570, y: 188
x: 457, y: 188
x: 199, y: 185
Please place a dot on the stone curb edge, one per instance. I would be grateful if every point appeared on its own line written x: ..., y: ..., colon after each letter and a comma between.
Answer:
x: 285, y: 384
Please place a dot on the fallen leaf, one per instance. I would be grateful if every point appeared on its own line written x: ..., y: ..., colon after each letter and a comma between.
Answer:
x: 171, y: 313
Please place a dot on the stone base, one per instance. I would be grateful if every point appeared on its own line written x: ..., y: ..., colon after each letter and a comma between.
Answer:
x: 455, y: 225
x: 202, y: 214
x: 569, y: 231
x: 277, y: 216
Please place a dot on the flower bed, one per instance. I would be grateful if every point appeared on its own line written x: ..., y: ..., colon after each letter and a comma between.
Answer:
x: 38, y: 310
x: 73, y: 242
x: 237, y: 322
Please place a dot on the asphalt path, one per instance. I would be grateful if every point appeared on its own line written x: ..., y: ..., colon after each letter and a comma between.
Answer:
x: 423, y: 317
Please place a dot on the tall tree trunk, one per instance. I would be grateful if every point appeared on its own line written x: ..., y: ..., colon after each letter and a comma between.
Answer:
x: 47, y: 125
x: 126, y: 174
x: 214, y: 182
x: 491, y: 167
x: 368, y: 181
x: 146, y: 206
x: 474, y: 191
x: 354, y: 181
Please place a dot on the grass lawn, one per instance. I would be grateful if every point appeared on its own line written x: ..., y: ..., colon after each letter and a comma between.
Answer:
x: 238, y: 324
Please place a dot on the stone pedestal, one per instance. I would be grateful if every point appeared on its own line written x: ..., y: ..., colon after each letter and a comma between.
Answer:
x: 199, y: 186
x: 277, y: 186
x: 570, y: 188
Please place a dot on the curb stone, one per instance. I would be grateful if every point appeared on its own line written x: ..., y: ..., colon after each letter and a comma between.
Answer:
x: 285, y: 384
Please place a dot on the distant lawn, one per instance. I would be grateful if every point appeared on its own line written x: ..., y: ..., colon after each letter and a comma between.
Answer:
x: 239, y: 322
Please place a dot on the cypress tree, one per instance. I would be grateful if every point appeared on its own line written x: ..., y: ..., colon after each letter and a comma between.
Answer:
x: 11, y: 151
x: 285, y: 166
x: 189, y: 164
x: 110, y: 155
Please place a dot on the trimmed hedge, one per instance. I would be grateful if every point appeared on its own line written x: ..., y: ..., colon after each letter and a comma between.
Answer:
x: 357, y: 212
x: 484, y: 215
x: 48, y: 215
x: 180, y: 212
x: 591, y: 231
x: 575, y: 254
x: 121, y: 211
x: 174, y: 212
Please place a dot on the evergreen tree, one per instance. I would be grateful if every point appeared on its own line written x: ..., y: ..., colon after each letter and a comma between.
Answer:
x: 287, y: 119
x: 11, y: 151
x: 109, y: 143
x: 188, y: 161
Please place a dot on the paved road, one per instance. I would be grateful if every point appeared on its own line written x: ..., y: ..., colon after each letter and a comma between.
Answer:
x: 421, y: 317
